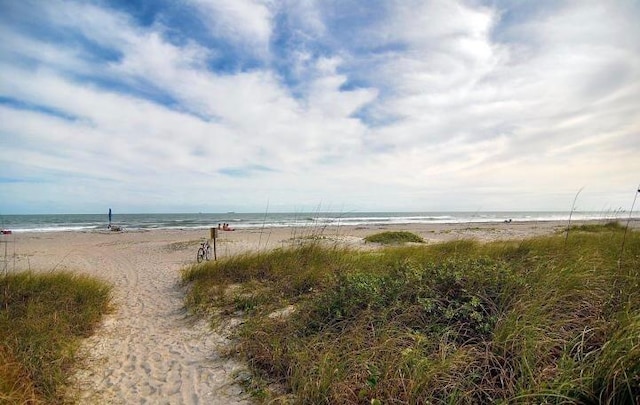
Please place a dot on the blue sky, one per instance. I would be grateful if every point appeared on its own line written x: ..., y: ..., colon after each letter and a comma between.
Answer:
x: 254, y: 105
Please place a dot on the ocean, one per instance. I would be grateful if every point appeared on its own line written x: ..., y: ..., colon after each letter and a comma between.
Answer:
x: 88, y: 222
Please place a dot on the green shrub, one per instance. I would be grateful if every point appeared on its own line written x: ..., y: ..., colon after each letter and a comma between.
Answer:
x: 609, y: 226
x: 394, y: 237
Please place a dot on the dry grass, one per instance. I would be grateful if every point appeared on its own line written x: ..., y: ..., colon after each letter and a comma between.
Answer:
x: 533, y: 321
x: 42, y: 319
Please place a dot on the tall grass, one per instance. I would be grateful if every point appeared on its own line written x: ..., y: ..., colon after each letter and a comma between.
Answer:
x: 42, y: 318
x: 544, y: 320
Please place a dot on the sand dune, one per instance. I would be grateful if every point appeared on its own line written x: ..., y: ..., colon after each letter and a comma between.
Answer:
x: 149, y: 350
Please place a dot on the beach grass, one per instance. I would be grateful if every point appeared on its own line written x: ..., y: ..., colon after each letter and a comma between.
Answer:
x: 393, y: 238
x: 532, y: 321
x: 610, y: 225
x: 42, y: 319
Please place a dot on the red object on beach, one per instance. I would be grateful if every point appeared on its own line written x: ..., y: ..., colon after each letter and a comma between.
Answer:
x: 6, y: 232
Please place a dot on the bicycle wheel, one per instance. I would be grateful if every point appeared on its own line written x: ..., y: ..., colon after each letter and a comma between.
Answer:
x: 208, y: 253
x: 201, y: 254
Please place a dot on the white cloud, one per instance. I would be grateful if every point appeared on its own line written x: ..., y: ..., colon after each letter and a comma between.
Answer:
x: 255, y: 121
x: 442, y: 91
x: 530, y: 113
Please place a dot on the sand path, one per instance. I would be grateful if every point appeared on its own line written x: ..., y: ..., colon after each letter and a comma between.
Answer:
x: 148, y: 350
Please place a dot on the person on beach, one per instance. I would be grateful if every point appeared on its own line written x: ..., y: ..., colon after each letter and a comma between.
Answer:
x: 109, y: 227
x: 225, y: 227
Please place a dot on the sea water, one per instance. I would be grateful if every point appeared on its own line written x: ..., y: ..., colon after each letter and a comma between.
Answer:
x: 88, y: 222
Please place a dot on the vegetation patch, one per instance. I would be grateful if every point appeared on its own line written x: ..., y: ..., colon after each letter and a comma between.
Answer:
x: 42, y: 319
x: 534, y: 321
x: 609, y: 226
x: 394, y: 238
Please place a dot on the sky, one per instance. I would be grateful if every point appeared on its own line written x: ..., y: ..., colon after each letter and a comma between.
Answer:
x: 318, y: 105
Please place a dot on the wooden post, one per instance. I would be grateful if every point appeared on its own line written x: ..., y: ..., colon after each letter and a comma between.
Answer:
x: 5, y: 236
x: 214, y: 236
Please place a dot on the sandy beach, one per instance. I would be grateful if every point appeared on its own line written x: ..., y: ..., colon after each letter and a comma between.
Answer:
x: 148, y: 350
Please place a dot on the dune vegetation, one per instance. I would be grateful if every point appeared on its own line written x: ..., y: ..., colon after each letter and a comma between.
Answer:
x: 542, y: 320
x: 42, y: 319
x: 394, y: 238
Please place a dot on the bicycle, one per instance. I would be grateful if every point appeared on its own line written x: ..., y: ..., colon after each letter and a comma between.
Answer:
x: 204, y: 251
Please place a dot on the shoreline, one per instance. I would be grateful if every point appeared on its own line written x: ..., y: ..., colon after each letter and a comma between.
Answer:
x: 429, y: 231
x: 249, y: 221
x: 149, y: 348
